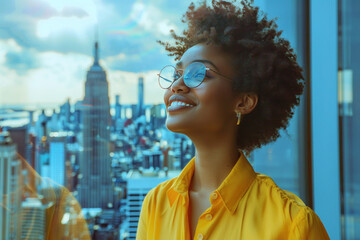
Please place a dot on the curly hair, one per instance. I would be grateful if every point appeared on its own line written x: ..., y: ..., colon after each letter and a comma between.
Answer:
x: 264, y: 62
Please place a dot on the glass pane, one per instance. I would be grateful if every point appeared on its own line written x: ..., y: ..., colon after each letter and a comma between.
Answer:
x: 349, y: 111
x: 287, y: 152
x: 88, y: 119
x: 72, y: 126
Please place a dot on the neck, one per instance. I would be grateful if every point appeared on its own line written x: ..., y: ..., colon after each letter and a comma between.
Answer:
x: 215, y: 157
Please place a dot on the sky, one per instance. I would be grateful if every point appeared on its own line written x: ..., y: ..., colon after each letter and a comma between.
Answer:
x: 46, y: 47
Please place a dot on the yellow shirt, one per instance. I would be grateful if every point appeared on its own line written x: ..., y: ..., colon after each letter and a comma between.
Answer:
x: 247, y: 205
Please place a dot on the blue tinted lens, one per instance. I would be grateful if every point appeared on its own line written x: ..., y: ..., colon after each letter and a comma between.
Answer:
x: 167, y: 76
x: 194, y: 74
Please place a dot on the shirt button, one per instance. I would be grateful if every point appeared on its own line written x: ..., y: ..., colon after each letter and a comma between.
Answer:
x: 208, y: 217
x: 214, y: 195
x: 200, y: 236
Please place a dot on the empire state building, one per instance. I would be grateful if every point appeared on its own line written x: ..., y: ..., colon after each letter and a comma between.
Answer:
x: 95, y: 185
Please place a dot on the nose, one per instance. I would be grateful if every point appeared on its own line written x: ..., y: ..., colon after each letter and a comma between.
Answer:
x: 179, y: 86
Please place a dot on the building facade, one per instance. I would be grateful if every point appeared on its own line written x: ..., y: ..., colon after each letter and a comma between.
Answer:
x: 137, y: 188
x: 10, y: 190
x: 95, y: 187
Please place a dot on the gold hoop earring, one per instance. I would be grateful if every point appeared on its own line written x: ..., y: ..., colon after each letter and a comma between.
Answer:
x: 238, y: 114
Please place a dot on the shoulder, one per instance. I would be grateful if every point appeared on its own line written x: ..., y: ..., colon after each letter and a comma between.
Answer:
x: 302, y: 221
x: 269, y: 188
x: 285, y: 202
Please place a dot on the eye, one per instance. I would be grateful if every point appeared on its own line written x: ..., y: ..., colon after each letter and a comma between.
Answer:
x: 208, y: 74
x: 177, y: 75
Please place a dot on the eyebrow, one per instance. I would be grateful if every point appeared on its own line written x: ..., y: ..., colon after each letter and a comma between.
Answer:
x: 180, y: 64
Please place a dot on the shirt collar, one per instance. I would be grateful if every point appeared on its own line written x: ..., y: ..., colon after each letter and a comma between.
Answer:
x: 231, y: 190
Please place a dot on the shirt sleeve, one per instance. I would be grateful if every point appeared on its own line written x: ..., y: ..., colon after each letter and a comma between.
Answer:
x: 141, y: 230
x: 307, y: 225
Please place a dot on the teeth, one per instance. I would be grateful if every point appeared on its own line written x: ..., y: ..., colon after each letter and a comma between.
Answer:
x: 178, y: 103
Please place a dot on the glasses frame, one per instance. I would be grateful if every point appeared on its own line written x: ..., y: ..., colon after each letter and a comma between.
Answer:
x: 177, y: 70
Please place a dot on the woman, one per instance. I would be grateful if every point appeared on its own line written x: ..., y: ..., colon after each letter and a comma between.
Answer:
x: 234, y: 88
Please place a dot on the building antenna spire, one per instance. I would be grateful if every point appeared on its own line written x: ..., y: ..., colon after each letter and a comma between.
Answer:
x: 96, y: 50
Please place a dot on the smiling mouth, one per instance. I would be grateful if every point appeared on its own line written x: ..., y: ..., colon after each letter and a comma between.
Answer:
x: 177, y: 105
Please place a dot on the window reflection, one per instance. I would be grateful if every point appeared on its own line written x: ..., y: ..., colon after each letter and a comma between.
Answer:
x: 34, y: 207
x: 349, y: 111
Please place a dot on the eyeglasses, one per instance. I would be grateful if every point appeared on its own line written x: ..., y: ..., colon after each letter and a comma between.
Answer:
x: 193, y: 75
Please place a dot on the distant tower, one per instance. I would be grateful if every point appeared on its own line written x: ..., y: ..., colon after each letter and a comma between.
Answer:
x: 117, y: 107
x: 140, y: 109
x: 10, y: 189
x: 95, y: 185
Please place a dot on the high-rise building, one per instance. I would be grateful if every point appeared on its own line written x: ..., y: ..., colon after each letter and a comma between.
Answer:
x: 65, y: 110
x: 117, y: 107
x: 57, y: 156
x: 10, y: 189
x: 137, y: 188
x: 43, y: 160
x: 33, y: 219
x: 95, y: 187
x: 157, y: 116
x: 140, y: 105
x: 41, y: 132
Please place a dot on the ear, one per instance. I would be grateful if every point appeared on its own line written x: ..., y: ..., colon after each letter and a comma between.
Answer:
x: 246, y: 102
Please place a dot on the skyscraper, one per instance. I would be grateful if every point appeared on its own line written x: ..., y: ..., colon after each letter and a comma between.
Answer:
x: 95, y: 188
x: 57, y: 156
x: 140, y: 106
x: 10, y: 190
x: 33, y: 219
x: 137, y: 188
x: 117, y: 107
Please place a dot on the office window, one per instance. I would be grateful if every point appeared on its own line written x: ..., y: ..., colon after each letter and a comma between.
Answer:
x: 289, y: 151
x: 349, y: 115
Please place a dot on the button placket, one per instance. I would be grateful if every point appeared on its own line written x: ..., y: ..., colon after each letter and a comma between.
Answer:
x: 200, y: 236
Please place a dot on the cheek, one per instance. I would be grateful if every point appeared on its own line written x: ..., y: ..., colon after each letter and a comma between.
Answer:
x: 217, y: 100
x: 167, y: 95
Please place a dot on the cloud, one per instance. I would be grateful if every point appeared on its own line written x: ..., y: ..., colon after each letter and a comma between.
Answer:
x: 116, y: 58
x: 43, y: 10
x: 74, y: 12
x: 51, y: 77
x: 46, y: 46
x: 16, y: 58
x: 21, y: 61
x: 37, y: 9
x: 49, y: 25
x: 59, y: 76
x: 152, y: 19
x: 131, y: 28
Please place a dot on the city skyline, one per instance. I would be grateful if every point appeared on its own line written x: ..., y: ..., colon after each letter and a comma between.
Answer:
x: 46, y: 46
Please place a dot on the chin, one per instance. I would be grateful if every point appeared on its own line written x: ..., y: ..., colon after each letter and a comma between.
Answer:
x: 177, y: 126
x: 173, y: 127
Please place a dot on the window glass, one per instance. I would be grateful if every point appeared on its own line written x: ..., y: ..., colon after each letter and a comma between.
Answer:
x: 284, y: 160
x: 349, y: 115
x: 80, y: 101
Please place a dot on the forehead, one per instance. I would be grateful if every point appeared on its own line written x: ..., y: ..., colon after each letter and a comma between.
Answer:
x: 211, y: 53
